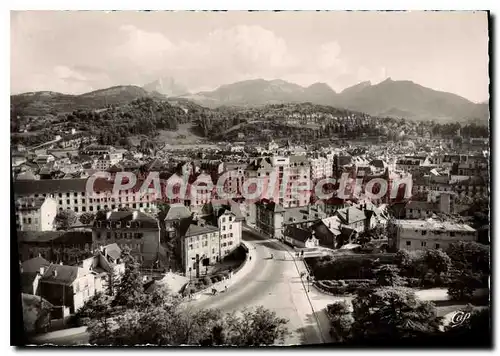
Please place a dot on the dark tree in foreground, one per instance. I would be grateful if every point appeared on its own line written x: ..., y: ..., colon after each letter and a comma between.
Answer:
x: 341, y: 320
x: 392, y: 313
x: 255, y: 327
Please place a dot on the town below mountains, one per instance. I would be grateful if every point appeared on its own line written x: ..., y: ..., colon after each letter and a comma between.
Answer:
x: 390, y: 98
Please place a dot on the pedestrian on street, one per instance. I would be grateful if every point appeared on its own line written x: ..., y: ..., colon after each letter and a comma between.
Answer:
x: 249, y: 258
x: 226, y: 288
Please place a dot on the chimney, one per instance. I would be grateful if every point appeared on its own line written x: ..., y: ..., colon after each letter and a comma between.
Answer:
x: 42, y: 270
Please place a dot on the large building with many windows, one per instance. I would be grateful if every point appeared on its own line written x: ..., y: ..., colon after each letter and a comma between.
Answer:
x: 133, y: 229
x: 422, y: 234
x: 71, y: 194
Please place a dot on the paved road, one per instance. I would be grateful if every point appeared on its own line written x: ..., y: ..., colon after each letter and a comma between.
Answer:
x: 275, y: 284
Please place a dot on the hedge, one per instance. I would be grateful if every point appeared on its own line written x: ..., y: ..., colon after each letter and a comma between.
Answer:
x: 341, y: 287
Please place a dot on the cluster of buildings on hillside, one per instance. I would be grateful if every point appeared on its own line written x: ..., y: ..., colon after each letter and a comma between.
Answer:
x: 202, y: 226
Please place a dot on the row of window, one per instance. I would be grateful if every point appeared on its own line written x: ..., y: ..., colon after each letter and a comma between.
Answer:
x: 121, y: 235
x: 422, y: 244
x: 28, y: 221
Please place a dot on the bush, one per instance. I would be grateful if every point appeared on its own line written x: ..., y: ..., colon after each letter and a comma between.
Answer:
x: 413, y: 282
x: 207, y: 281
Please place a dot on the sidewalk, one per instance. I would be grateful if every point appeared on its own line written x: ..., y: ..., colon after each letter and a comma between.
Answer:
x: 50, y: 336
x: 236, y: 276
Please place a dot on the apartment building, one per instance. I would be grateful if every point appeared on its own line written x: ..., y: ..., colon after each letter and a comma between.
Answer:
x: 134, y: 229
x: 71, y: 194
x: 35, y: 214
x: 270, y: 218
x: 421, y: 234
x: 57, y: 246
x: 321, y: 167
x: 201, y: 189
x: 230, y: 230
x: 67, y: 286
x: 425, y: 209
x: 199, y: 241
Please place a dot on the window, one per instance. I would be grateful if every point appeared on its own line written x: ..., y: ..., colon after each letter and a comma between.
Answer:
x: 408, y: 243
x: 190, y: 246
x: 452, y: 233
x: 98, y: 235
x: 437, y: 245
x: 60, y: 195
x: 60, y: 202
x: 29, y: 220
x: 223, y: 219
x: 423, y: 243
x: 67, y: 194
x: 68, y: 201
x: 424, y: 232
x: 75, y: 194
x: 223, y: 228
x: 91, y: 208
x: 76, y: 209
x: 108, y: 235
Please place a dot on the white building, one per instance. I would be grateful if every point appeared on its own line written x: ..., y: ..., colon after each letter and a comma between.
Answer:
x: 71, y: 194
x: 35, y: 214
x: 421, y: 234
x: 321, y: 167
x: 230, y: 232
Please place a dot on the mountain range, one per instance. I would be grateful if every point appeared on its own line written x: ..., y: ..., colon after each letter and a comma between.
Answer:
x: 389, y: 98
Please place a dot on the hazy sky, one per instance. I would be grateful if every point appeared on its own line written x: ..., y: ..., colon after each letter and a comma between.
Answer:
x: 75, y: 52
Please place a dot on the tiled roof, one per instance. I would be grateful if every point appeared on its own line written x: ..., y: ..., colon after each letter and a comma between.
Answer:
x: 177, y: 211
x: 113, y: 251
x: 195, y: 229
x: 298, y: 234
x: 57, y: 237
x: 34, y: 264
x: 354, y: 215
x: 64, y: 274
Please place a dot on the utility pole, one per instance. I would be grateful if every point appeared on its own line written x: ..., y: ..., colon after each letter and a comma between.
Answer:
x: 197, y: 265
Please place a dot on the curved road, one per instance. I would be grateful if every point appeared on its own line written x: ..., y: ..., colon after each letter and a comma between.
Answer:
x: 273, y: 283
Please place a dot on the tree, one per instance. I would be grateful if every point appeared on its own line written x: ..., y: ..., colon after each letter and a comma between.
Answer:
x: 388, y: 275
x: 255, y: 327
x: 470, y: 255
x: 341, y: 320
x: 463, y: 284
x: 86, y: 218
x: 96, y: 307
x: 64, y: 219
x: 130, y: 291
x: 390, y: 313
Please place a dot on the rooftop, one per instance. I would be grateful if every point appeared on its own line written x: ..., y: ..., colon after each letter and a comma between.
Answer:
x: 431, y: 224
